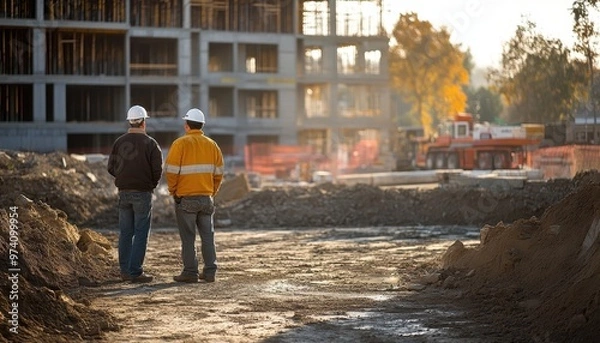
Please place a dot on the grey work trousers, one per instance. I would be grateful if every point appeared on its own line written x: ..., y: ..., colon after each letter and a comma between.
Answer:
x: 196, y: 213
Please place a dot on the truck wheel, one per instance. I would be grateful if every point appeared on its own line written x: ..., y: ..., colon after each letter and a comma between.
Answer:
x: 453, y: 161
x: 440, y: 160
x: 484, y: 160
x: 429, y: 161
x: 500, y: 161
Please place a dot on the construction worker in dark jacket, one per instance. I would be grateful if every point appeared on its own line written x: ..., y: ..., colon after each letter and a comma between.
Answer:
x: 136, y: 163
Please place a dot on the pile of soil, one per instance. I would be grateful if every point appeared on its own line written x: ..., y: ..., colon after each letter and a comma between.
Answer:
x: 329, y: 205
x: 53, y: 259
x: 84, y: 191
x: 545, y: 271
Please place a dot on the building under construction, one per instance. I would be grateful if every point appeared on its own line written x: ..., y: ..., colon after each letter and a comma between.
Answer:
x: 278, y: 72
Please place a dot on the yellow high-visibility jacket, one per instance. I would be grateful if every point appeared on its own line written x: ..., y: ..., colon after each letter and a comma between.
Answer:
x: 194, y: 165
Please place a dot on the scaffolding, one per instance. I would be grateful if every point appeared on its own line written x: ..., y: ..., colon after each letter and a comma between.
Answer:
x: 352, y: 18
x: 17, y: 102
x: 211, y: 14
x: 315, y: 18
x: 220, y: 102
x: 260, y: 104
x: 264, y: 16
x: 153, y: 56
x: 85, y: 10
x: 16, y: 57
x: 243, y: 15
x: 17, y: 9
x: 159, y: 100
x: 359, y: 18
x: 94, y: 103
x: 85, y: 53
x: 220, y: 57
x: 156, y: 13
x: 260, y: 58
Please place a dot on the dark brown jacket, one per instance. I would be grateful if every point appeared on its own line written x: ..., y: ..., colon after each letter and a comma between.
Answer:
x: 135, y: 161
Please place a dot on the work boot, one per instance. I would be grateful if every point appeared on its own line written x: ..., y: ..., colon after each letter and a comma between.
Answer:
x: 206, y: 277
x: 186, y: 278
x: 142, y: 278
x: 125, y: 277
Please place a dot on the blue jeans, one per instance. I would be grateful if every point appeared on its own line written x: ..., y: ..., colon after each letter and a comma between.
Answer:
x: 196, y: 212
x: 135, y: 214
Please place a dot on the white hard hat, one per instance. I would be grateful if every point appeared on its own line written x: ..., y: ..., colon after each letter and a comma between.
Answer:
x: 137, y: 112
x: 195, y: 115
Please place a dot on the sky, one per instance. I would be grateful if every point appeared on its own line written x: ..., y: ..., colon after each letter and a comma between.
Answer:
x: 485, y: 25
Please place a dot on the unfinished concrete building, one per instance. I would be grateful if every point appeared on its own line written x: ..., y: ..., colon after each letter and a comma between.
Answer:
x: 288, y: 72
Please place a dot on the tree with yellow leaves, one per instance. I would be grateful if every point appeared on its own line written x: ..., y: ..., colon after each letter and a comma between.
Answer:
x: 427, y: 70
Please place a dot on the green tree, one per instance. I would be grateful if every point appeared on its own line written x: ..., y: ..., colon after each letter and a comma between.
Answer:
x: 537, y: 77
x: 585, y: 30
x: 484, y: 103
x: 427, y: 70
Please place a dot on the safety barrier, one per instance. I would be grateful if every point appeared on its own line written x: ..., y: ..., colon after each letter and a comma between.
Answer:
x: 566, y: 161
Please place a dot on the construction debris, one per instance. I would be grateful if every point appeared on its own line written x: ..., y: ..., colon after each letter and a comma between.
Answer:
x: 232, y: 189
x: 330, y: 205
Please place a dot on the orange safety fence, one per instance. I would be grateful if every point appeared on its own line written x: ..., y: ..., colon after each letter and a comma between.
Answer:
x: 566, y: 161
x: 270, y: 159
x: 282, y: 160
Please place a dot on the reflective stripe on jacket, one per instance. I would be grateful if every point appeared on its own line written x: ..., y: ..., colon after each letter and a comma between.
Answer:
x: 194, y: 165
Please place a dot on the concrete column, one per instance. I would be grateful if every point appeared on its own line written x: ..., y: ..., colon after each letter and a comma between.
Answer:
x: 185, y: 98
x: 186, y: 19
x: 127, y: 102
x: 333, y: 18
x: 39, y: 10
x: 204, y: 98
x: 333, y: 102
x: 184, y: 54
x: 60, y: 102
x: 236, y: 106
x: 202, y: 55
x: 39, y: 104
x: 239, y: 142
x: 239, y: 55
x: 296, y: 19
x: 39, y: 51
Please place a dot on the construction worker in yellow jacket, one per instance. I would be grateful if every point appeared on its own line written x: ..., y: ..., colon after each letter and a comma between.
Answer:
x: 194, y: 169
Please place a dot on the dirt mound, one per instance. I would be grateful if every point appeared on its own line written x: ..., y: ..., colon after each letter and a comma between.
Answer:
x: 41, y: 271
x: 542, y: 273
x: 84, y: 191
x: 330, y: 205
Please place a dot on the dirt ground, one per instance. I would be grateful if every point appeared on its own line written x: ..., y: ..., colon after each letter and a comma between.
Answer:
x: 328, y: 262
x: 290, y: 286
